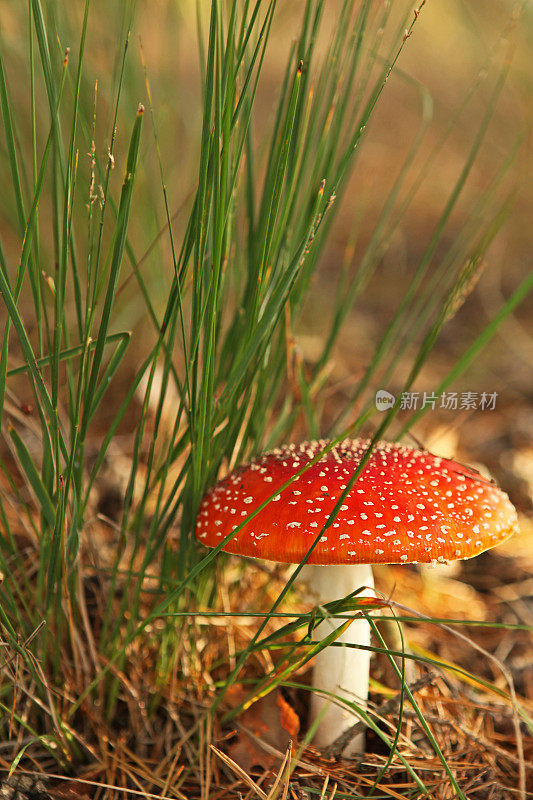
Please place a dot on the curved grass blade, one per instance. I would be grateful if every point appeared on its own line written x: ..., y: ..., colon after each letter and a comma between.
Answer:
x: 28, y: 467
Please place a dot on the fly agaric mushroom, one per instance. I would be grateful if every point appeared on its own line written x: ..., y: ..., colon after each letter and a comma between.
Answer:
x: 406, y: 506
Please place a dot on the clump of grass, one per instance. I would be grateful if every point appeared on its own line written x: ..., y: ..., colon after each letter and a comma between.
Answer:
x: 101, y: 650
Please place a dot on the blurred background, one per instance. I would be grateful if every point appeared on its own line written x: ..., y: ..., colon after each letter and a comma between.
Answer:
x: 427, y: 118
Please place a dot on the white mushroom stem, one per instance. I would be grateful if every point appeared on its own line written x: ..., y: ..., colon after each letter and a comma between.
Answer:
x: 341, y: 671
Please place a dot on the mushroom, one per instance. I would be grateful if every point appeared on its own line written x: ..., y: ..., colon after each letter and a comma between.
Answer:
x: 406, y: 506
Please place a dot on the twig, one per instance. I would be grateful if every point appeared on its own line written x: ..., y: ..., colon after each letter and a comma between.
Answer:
x: 239, y: 772
x: 341, y: 742
x: 481, y: 741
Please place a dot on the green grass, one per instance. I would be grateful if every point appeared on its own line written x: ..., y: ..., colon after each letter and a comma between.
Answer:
x: 215, y: 315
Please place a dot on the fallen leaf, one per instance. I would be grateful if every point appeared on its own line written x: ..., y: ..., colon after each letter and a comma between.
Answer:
x: 272, y: 720
x: 289, y: 718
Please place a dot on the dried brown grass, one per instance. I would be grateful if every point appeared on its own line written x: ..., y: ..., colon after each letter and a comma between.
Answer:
x: 163, y: 742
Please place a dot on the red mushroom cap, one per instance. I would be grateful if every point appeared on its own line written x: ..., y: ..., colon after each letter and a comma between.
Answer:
x: 406, y: 506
